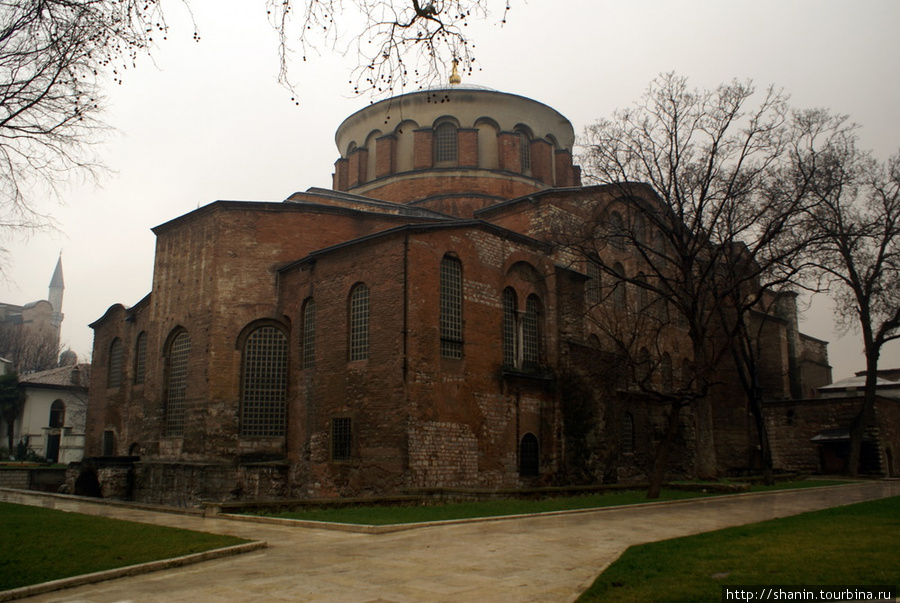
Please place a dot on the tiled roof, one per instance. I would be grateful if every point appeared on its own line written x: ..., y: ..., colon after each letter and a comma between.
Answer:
x: 78, y: 375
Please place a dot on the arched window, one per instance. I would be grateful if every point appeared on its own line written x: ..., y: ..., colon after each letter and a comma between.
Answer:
x: 617, y: 230
x: 593, y: 284
x: 643, y: 294
x: 57, y: 414
x: 445, y: 144
x: 176, y: 383
x: 531, y: 332
x: 626, y: 436
x: 359, y: 323
x: 114, y: 374
x: 308, y: 345
x: 509, y: 327
x: 620, y: 300
x: 640, y: 230
x: 451, y: 308
x: 140, y: 358
x: 643, y: 366
x: 264, y: 383
x: 525, y: 151
x: 665, y: 367
x: 529, y: 456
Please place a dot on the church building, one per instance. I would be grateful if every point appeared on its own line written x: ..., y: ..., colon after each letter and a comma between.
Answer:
x: 413, y: 328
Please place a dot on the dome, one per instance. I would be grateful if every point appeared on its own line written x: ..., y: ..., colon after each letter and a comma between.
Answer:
x: 454, y: 149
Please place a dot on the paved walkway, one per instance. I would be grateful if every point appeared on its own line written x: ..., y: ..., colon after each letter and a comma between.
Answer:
x: 542, y: 558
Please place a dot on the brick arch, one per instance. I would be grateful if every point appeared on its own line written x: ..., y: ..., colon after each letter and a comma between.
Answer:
x: 525, y: 278
x: 405, y: 150
x: 251, y: 326
x: 372, y: 157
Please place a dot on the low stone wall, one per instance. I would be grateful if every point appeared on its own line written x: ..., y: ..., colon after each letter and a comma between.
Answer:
x: 44, y: 479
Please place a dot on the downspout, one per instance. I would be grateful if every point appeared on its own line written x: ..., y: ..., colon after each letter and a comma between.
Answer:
x: 405, y: 369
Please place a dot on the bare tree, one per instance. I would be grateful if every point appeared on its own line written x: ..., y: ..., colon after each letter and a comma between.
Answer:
x: 713, y: 235
x: 12, y: 399
x: 855, y: 222
x: 397, y: 42
x: 55, y: 54
x: 52, y: 54
x: 30, y: 351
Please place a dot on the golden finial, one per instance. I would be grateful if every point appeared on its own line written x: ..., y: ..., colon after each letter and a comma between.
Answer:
x: 454, y: 76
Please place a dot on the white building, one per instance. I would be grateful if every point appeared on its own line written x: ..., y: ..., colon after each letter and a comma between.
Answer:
x: 53, y: 417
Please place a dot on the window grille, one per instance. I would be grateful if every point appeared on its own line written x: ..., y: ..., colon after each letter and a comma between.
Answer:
x: 265, y: 383
x: 140, y: 358
x: 309, y: 334
x: 451, y: 308
x: 359, y: 323
x: 642, y: 293
x: 341, y: 439
x: 114, y: 377
x: 529, y: 456
x: 617, y: 230
x: 525, y: 151
x: 665, y: 367
x: 176, y: 387
x: 509, y: 328
x: 593, y: 284
x: 445, y: 143
x: 530, y: 335
x: 619, y: 297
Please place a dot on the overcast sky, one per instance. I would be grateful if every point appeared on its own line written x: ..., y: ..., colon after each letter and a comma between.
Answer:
x: 207, y: 121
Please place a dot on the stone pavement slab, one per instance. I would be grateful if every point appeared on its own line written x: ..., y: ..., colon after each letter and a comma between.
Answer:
x: 552, y: 557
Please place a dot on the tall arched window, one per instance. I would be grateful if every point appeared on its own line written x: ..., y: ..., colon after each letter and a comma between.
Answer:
x: 57, y: 414
x: 359, y: 323
x: 643, y: 366
x: 176, y: 383
x: 114, y: 374
x: 525, y: 151
x: 640, y: 230
x: 140, y: 358
x: 531, y: 332
x: 665, y: 367
x: 592, y: 286
x: 619, y: 298
x: 451, y: 308
x: 643, y: 294
x: 626, y: 436
x: 529, y: 456
x: 445, y: 144
x: 308, y: 345
x: 509, y: 327
x: 264, y: 383
x: 617, y: 230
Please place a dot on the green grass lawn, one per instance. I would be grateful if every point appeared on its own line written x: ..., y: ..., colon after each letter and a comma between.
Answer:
x: 388, y: 515
x: 853, y: 545
x: 40, y: 544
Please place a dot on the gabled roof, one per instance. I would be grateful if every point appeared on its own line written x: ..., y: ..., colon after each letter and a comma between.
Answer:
x: 315, y: 196
x: 419, y: 228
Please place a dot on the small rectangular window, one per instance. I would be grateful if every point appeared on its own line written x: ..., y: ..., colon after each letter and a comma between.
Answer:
x: 341, y: 439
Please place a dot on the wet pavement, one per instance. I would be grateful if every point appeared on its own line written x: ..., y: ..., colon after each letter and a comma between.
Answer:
x: 552, y: 557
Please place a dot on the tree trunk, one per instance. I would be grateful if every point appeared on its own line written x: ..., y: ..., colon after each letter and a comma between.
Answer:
x: 864, y: 417
x: 762, y: 433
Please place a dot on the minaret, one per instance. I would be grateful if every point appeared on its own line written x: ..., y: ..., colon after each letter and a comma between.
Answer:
x: 55, y: 296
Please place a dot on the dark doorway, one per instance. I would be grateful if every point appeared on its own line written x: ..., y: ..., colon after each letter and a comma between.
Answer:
x: 529, y: 456
x: 53, y: 447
